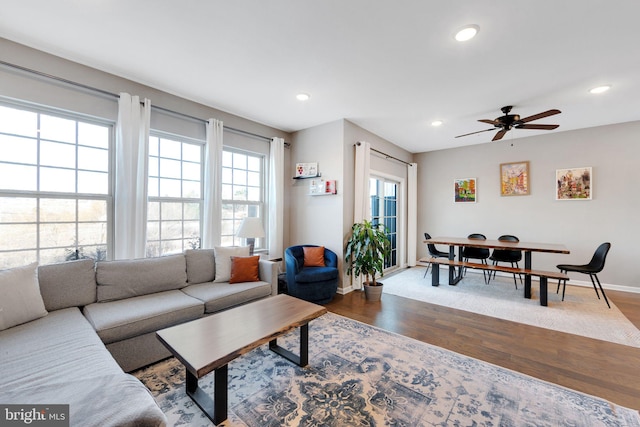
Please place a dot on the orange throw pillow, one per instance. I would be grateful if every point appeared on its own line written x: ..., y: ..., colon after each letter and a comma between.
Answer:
x: 313, y: 256
x: 245, y: 269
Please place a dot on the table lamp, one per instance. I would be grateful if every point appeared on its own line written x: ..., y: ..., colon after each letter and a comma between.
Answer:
x: 250, y: 229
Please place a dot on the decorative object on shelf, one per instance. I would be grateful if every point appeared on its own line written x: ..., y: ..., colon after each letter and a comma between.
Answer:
x: 306, y: 170
x: 514, y: 179
x: 365, y: 253
x: 465, y: 190
x: 319, y: 187
x: 250, y: 229
x: 574, y: 184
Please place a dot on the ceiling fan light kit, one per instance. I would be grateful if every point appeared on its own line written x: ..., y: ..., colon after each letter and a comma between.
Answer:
x: 510, y: 121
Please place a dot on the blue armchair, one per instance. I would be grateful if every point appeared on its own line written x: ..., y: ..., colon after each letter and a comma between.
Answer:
x: 314, y: 284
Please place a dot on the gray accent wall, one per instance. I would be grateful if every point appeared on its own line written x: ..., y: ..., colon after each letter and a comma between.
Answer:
x: 327, y: 220
x: 611, y: 216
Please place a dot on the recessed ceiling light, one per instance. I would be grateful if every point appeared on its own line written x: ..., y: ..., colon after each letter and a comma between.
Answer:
x: 467, y: 33
x: 303, y: 97
x: 436, y: 123
x: 600, y: 89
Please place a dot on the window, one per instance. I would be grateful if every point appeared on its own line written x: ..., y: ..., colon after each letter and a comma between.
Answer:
x: 242, y: 193
x: 175, y: 194
x: 384, y: 201
x: 55, y: 191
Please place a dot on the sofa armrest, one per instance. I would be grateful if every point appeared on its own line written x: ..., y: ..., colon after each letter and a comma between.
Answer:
x: 269, y: 273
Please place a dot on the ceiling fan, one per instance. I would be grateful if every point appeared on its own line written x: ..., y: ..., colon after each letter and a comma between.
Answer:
x: 509, y: 121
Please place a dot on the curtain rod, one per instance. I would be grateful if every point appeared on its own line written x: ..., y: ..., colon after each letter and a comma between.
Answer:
x: 117, y: 96
x: 387, y: 155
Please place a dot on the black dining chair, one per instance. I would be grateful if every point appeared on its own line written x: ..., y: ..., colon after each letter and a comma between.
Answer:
x: 507, y: 255
x: 592, y: 268
x: 433, y: 252
x: 481, y: 254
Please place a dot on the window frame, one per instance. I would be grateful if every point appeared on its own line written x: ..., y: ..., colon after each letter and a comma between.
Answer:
x: 261, y: 244
x: 187, y: 243
x: 75, y: 250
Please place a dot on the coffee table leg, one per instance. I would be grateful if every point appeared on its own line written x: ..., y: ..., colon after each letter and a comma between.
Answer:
x: 215, y: 409
x: 301, y: 360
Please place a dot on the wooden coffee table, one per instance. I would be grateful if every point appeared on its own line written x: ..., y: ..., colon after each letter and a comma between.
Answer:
x: 210, y: 343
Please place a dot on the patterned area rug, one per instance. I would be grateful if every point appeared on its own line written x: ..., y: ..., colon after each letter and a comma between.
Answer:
x: 581, y: 312
x: 360, y: 375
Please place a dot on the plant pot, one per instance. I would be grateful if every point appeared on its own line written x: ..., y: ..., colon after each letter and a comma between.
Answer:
x: 373, y: 293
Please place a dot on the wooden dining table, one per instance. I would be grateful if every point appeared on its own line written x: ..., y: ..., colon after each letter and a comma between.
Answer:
x: 526, y: 247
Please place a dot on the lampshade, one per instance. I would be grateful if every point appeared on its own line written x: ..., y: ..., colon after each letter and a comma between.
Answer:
x: 251, y: 227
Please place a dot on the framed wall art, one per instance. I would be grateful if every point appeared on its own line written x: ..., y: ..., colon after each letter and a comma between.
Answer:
x: 465, y: 190
x: 574, y: 184
x: 306, y: 170
x: 514, y: 179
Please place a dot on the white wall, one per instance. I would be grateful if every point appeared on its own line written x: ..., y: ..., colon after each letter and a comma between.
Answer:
x: 612, y: 151
x: 27, y: 87
x: 316, y: 220
x: 388, y: 167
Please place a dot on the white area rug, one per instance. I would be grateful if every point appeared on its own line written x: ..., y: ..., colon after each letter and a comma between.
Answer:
x: 581, y: 312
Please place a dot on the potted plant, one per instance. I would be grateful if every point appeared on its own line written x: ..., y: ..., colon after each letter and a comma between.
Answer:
x: 365, y: 253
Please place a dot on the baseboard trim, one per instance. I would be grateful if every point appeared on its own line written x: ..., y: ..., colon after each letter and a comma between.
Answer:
x: 583, y: 283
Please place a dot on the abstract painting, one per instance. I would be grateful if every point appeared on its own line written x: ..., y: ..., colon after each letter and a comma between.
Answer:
x: 514, y: 179
x: 574, y: 184
x: 465, y: 190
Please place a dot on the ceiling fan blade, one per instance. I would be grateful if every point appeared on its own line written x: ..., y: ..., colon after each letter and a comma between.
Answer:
x: 490, y: 122
x: 541, y: 127
x: 539, y: 116
x: 499, y: 135
x: 473, y: 133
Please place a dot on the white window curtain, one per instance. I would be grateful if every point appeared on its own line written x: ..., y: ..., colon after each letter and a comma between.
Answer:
x: 211, y: 224
x: 412, y: 213
x: 361, y: 199
x: 276, y: 198
x: 132, y: 149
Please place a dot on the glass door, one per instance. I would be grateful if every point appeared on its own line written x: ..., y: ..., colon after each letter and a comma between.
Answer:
x: 384, y: 210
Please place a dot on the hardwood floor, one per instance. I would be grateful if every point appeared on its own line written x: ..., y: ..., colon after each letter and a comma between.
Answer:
x: 608, y: 370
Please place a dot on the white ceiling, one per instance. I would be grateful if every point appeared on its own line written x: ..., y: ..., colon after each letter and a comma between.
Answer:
x: 391, y: 67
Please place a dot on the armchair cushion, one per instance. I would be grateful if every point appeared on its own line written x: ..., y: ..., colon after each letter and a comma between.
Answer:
x: 316, y: 274
x: 313, y: 256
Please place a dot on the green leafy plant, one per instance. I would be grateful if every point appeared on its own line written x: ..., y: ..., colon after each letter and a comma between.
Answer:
x: 366, y: 251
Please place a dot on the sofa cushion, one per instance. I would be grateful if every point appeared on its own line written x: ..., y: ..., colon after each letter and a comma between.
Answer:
x: 68, y: 284
x: 131, y: 278
x: 223, y: 260
x: 220, y: 296
x: 316, y: 274
x: 244, y: 269
x: 122, y: 319
x: 59, y: 359
x: 53, y: 349
x: 201, y: 265
x: 20, y: 299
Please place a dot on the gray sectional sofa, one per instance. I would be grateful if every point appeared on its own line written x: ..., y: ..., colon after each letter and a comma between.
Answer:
x: 101, y: 322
